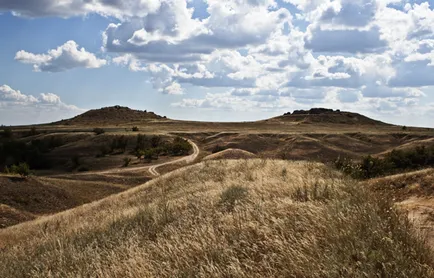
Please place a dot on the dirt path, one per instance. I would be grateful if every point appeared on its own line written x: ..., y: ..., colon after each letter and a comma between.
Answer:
x: 421, y: 212
x: 150, y: 168
x: 187, y: 159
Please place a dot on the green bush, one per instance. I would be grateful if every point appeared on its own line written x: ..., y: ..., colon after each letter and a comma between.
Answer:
x: 14, y: 152
x: 127, y: 161
x: 393, y: 162
x: 180, y: 147
x: 21, y: 169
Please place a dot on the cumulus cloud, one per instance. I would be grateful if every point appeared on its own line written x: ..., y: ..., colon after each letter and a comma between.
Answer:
x: 376, y: 54
x: 19, y: 108
x: 65, y: 57
x: 44, y: 8
x: 350, y: 41
x: 348, y: 12
x: 172, y: 36
x: 9, y: 94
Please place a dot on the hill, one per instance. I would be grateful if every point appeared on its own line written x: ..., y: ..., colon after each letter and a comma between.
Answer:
x: 230, y: 154
x: 323, y: 115
x: 23, y: 199
x: 227, y: 218
x: 111, y: 116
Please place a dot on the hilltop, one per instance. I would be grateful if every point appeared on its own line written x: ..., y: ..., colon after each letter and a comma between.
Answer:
x: 324, y: 115
x: 111, y: 115
x: 227, y: 218
x: 117, y: 115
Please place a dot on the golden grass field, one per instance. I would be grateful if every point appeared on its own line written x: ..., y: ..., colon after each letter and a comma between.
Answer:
x: 227, y: 218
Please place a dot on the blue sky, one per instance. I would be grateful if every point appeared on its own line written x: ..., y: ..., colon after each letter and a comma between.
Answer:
x: 229, y: 60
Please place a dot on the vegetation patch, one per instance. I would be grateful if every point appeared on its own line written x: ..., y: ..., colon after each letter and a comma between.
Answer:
x: 152, y: 147
x: 232, y: 196
x: 392, y: 163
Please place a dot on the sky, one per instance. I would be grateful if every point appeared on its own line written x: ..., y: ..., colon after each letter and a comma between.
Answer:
x: 217, y: 60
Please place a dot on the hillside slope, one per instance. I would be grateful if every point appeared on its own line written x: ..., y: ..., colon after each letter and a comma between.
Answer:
x: 23, y: 199
x: 111, y: 116
x: 323, y: 115
x: 227, y: 218
x: 414, y: 193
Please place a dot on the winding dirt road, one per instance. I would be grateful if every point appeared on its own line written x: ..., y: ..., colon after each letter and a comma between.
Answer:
x: 152, y: 168
x: 187, y: 159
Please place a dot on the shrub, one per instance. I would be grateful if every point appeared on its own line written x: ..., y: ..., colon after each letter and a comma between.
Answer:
x: 232, y: 196
x: 135, y: 128
x: 150, y: 154
x: 156, y: 141
x: 393, y: 162
x: 98, y: 131
x: 142, y: 142
x: 180, y: 147
x: 21, y: 169
x: 127, y: 161
x: 6, y: 170
x: 404, y: 127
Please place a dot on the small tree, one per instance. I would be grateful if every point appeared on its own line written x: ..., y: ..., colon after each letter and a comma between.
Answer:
x: 21, y: 169
x: 6, y: 170
x: 135, y: 128
x: 127, y: 161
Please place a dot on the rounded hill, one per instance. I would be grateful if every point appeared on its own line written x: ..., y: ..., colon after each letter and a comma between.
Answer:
x: 324, y: 115
x: 111, y: 115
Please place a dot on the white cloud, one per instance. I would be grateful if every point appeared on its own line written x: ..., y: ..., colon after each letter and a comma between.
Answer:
x: 376, y: 54
x: 350, y: 41
x: 8, y: 94
x: 69, y: 8
x: 19, y: 108
x: 65, y: 57
x: 172, y: 36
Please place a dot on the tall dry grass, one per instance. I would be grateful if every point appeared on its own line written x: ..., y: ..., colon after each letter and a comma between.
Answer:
x: 255, y: 218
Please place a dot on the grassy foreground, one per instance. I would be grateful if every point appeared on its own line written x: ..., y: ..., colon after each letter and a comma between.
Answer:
x: 227, y: 218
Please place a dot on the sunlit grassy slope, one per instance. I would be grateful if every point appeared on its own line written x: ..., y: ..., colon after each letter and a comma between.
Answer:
x: 227, y: 218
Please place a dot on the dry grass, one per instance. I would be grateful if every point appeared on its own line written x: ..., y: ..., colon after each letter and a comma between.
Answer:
x: 227, y: 218
x: 402, y: 186
x: 23, y: 199
x: 230, y: 154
